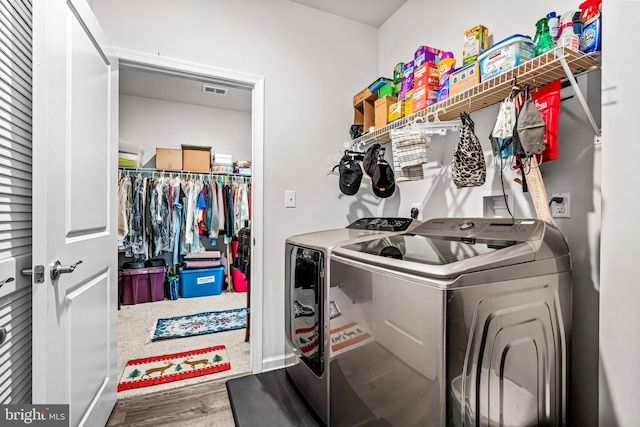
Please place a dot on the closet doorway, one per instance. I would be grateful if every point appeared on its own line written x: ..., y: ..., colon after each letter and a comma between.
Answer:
x: 145, y: 80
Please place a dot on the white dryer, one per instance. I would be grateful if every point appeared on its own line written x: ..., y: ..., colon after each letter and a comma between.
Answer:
x: 309, y: 308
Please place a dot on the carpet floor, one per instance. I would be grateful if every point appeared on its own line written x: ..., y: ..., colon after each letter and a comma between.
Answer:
x: 136, y: 324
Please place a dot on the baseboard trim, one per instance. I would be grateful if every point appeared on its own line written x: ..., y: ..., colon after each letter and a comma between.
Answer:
x: 277, y: 362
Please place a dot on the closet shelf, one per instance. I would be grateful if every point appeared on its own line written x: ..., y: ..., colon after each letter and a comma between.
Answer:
x: 558, y: 63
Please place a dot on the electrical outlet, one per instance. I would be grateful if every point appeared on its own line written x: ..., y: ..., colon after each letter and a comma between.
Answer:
x: 289, y: 199
x: 561, y: 209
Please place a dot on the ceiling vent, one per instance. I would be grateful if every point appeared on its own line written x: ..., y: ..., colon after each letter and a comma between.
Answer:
x: 214, y: 89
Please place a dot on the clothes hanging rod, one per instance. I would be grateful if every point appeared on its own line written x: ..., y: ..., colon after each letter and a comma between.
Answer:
x: 183, y: 172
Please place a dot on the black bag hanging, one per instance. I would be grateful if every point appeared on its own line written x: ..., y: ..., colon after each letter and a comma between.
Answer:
x: 468, y: 165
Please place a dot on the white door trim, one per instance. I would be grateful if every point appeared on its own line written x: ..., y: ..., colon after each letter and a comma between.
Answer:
x: 256, y: 83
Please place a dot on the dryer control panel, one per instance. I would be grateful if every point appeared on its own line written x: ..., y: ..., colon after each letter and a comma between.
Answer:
x: 381, y: 224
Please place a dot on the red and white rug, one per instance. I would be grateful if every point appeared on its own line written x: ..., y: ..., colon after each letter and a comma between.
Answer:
x: 174, y: 367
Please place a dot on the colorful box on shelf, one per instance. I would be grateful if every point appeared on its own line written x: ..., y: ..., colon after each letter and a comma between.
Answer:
x: 169, y: 158
x: 196, y: 158
x: 408, y: 103
x: 425, y: 74
x: 386, y: 90
x: 407, y: 80
x: 201, y: 282
x: 476, y: 40
x: 463, y: 78
x: 426, y: 54
x: 505, y: 55
x: 424, y: 96
x: 396, y: 111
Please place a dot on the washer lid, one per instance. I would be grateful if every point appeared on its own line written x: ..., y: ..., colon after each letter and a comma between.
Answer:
x: 446, y: 248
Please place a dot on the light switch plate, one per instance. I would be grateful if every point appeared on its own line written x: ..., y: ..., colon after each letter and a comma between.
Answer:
x: 289, y: 199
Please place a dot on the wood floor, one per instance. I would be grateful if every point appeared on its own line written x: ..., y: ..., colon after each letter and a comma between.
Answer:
x: 200, y: 405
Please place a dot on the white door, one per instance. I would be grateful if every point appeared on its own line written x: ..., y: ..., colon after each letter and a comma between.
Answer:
x: 75, y: 102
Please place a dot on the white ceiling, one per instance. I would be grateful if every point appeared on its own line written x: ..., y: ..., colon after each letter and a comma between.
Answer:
x: 138, y: 82
x: 371, y: 12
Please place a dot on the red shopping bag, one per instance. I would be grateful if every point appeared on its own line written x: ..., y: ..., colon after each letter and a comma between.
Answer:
x: 547, y: 100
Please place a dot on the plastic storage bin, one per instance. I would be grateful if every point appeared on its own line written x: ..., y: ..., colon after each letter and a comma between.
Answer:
x: 142, y: 285
x: 505, y: 55
x: 239, y: 280
x: 201, y: 282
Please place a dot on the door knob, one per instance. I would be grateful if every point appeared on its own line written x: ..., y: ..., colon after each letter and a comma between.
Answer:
x: 57, y: 269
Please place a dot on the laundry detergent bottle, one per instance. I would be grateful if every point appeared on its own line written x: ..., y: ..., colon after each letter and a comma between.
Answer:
x: 590, y: 38
x: 542, y: 40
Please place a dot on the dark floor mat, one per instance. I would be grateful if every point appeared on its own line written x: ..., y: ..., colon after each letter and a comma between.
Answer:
x: 268, y: 399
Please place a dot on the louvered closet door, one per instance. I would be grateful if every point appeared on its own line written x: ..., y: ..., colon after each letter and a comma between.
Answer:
x: 15, y: 199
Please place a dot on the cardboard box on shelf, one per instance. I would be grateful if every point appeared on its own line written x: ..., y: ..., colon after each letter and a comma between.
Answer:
x: 382, y: 110
x: 196, y: 158
x: 464, y: 78
x: 169, y: 158
x: 364, y: 111
x: 359, y: 97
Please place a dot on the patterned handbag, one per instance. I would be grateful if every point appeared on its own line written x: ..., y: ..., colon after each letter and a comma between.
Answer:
x: 468, y: 166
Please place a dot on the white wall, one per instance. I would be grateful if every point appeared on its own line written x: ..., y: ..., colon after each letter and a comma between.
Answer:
x: 576, y: 170
x: 153, y: 123
x: 313, y: 64
x: 620, y: 290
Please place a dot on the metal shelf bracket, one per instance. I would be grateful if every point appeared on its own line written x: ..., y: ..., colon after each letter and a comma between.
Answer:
x: 578, y: 92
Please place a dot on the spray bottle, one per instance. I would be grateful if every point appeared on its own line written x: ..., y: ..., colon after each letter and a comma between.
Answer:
x: 568, y: 37
x: 542, y: 40
x: 554, y: 26
x: 592, y: 30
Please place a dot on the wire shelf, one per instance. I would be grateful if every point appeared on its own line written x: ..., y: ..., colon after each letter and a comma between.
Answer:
x: 536, y: 72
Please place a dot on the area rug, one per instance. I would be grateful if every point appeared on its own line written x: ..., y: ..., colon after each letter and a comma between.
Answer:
x: 200, y: 324
x: 347, y: 335
x: 173, y: 367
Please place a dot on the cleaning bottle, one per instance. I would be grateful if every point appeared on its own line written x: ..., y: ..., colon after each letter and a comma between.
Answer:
x: 554, y: 26
x: 542, y: 40
x: 446, y: 66
x: 568, y: 37
x: 592, y: 29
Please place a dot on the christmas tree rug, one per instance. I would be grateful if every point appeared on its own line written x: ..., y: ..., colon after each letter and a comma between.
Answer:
x: 199, y: 324
x: 173, y: 367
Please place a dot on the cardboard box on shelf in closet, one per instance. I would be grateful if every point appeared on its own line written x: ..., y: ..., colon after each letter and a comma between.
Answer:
x: 382, y: 110
x: 196, y: 158
x: 363, y: 108
x: 464, y: 78
x: 169, y: 158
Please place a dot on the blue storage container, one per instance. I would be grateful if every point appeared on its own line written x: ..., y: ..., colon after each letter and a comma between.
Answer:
x: 201, y: 282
